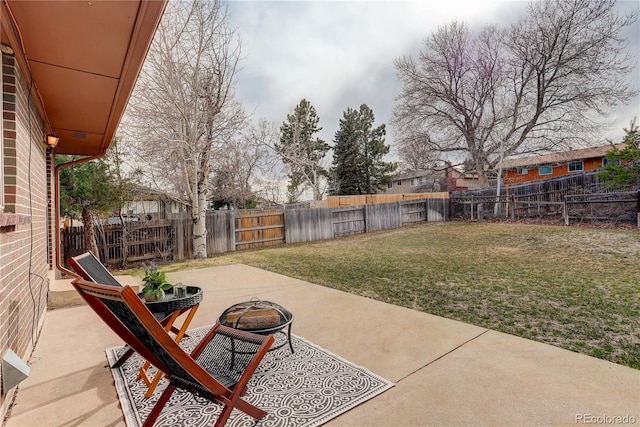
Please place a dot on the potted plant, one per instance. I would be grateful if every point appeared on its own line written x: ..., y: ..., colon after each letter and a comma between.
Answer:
x: 155, y: 283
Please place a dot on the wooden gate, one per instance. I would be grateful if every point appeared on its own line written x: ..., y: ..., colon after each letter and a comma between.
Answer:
x: 349, y: 221
x: 256, y: 228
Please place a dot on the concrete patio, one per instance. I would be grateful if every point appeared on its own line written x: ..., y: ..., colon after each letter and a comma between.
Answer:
x: 447, y: 373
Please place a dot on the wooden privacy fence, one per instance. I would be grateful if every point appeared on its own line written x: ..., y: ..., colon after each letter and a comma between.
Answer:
x: 72, y: 242
x: 305, y: 225
x: 259, y: 228
x: 368, y: 199
x: 236, y: 230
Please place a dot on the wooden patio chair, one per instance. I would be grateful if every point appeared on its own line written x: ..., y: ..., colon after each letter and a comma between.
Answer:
x: 89, y: 267
x: 218, y: 369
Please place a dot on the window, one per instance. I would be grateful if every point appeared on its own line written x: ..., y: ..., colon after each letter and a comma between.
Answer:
x: 606, y: 162
x: 545, y: 170
x: 418, y: 181
x: 389, y: 184
x: 399, y: 183
x: 523, y: 171
x: 576, y: 166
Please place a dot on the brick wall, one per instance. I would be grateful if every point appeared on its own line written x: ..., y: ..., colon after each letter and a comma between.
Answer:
x: 25, y: 220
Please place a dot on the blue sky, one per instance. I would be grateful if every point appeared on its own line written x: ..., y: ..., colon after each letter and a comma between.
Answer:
x: 339, y: 54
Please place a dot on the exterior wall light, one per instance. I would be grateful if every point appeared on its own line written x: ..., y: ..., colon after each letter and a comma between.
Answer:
x: 52, y: 140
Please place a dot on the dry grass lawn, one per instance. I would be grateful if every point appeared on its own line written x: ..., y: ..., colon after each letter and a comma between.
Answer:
x: 576, y: 288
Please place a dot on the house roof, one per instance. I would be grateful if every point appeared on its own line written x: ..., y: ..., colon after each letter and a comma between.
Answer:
x: 146, y: 193
x: 560, y: 157
x: 83, y: 58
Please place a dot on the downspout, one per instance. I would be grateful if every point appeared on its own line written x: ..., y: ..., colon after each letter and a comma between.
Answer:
x: 56, y: 173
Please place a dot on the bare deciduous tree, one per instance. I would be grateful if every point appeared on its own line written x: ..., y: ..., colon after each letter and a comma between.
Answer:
x: 539, y: 85
x: 182, y: 109
x: 239, y: 164
x: 415, y: 152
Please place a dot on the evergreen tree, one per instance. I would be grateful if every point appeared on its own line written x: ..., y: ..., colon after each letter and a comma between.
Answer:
x: 358, y: 151
x: 94, y: 189
x: 301, y: 151
x: 346, y: 171
x: 623, y: 167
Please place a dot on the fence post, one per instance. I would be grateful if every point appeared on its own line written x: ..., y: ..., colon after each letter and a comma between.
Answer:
x: 472, y: 205
x: 513, y: 207
x: 232, y: 230
x: 638, y: 210
x: 126, y: 243
x: 178, y: 231
x: 365, y: 208
x: 480, y: 212
x: 565, y: 211
x: 284, y: 227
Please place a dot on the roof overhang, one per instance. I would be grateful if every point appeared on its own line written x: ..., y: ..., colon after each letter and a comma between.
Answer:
x: 83, y: 58
x: 561, y: 157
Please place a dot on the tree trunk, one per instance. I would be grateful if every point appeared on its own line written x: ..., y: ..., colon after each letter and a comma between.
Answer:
x: 316, y: 187
x: 200, y: 229
x: 482, y: 177
x: 124, y: 247
x: 89, y: 233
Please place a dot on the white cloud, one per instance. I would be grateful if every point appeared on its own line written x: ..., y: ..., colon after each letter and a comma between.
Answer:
x: 339, y: 54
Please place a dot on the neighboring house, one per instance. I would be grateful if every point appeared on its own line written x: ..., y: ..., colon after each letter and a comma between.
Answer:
x: 68, y: 68
x: 525, y: 169
x: 145, y: 205
x: 419, y: 181
x: 447, y: 179
x: 456, y: 180
x: 148, y: 204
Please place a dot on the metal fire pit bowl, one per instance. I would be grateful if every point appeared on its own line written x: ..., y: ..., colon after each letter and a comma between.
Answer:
x: 286, y: 319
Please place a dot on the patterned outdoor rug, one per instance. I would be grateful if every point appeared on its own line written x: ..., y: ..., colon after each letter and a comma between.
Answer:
x: 307, y: 388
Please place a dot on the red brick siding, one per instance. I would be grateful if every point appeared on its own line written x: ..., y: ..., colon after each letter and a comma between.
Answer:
x: 23, y: 242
